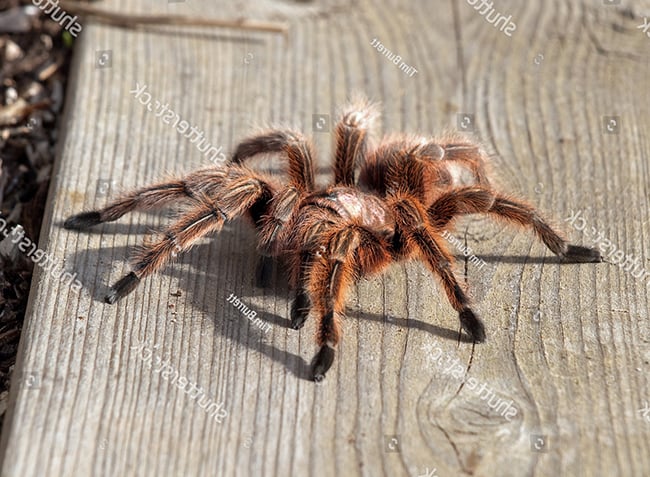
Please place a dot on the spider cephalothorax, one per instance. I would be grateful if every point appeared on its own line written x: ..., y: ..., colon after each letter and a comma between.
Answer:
x: 409, y: 190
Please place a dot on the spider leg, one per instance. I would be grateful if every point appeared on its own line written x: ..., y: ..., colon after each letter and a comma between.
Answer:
x: 351, y: 140
x: 273, y: 228
x: 304, y: 236
x: 300, y: 154
x: 412, y: 220
x: 241, y: 193
x: 459, y: 201
x: 299, y: 151
x: 183, y: 189
x: 469, y: 200
x: 352, y: 251
x: 470, y: 156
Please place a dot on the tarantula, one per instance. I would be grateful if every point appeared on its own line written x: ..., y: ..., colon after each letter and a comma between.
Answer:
x: 409, y: 190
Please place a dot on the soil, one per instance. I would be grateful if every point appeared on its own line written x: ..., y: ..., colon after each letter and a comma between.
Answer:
x: 35, y: 54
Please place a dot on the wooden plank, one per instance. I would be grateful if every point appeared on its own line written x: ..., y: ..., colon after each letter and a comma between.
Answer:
x: 568, y: 345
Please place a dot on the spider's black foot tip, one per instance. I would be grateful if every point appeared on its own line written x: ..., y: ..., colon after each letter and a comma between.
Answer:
x: 123, y: 287
x: 111, y: 298
x: 298, y: 315
x: 298, y: 323
x: 299, y: 311
x: 322, y: 362
x: 472, y: 325
x: 83, y: 220
x: 578, y: 254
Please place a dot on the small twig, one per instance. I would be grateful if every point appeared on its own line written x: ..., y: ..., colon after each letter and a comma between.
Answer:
x: 132, y: 20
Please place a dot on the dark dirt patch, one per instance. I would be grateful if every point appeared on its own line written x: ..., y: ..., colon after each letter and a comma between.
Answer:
x: 35, y: 53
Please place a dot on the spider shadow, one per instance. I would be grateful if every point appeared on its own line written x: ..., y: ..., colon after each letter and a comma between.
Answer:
x: 96, y: 275
x: 522, y: 259
x: 412, y: 323
x: 244, y: 278
x: 112, y: 228
x: 225, y: 315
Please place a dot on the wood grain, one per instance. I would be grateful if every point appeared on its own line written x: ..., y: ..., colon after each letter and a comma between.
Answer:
x: 568, y: 345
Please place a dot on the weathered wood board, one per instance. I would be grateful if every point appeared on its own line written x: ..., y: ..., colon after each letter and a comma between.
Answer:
x: 561, y: 387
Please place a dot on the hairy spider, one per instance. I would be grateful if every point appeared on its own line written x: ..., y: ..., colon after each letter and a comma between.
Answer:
x: 409, y: 189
